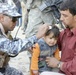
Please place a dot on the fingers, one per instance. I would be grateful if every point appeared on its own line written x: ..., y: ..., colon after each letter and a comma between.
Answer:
x: 48, y: 61
x: 48, y: 64
x: 42, y: 30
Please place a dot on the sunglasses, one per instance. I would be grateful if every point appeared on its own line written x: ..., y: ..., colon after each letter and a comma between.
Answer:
x: 14, y: 19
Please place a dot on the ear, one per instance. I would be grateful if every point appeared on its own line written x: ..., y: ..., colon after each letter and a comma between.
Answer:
x: 1, y: 17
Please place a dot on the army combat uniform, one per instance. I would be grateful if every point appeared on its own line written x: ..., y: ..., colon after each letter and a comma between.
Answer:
x: 36, y: 18
x: 11, y: 47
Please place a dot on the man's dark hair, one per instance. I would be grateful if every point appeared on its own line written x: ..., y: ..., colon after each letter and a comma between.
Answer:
x: 54, y: 30
x: 69, y: 5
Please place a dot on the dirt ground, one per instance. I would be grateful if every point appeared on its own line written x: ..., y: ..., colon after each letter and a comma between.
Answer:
x: 20, y: 62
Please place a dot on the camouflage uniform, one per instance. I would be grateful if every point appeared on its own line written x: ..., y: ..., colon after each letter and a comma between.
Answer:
x: 16, y: 45
x: 11, y: 47
x: 11, y: 71
x: 36, y: 18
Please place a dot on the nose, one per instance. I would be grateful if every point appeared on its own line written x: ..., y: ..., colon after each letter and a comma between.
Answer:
x: 61, y: 18
x: 52, y: 40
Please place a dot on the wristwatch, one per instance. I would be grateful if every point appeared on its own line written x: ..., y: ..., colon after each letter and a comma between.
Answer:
x: 58, y: 65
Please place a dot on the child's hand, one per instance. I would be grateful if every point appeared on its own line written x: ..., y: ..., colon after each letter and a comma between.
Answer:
x: 30, y: 49
x: 35, y: 72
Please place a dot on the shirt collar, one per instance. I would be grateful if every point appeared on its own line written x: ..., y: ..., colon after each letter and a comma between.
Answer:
x: 74, y: 31
x: 70, y: 32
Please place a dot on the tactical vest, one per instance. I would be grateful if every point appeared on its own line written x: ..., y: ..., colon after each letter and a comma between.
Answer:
x: 45, y: 51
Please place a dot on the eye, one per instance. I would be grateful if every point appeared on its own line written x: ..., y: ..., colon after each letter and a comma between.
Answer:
x: 51, y: 37
x: 65, y: 15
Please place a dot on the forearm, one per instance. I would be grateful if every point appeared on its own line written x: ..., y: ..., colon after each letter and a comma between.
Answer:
x: 16, y: 46
x: 34, y: 59
x: 69, y: 66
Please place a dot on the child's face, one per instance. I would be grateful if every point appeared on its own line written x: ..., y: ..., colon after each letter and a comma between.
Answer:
x: 50, y: 40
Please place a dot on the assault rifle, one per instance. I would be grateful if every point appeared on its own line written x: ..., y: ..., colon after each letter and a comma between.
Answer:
x: 52, y: 5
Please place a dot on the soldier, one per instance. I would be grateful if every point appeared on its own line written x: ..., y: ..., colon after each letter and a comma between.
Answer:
x: 24, y: 16
x: 11, y: 47
x: 36, y: 17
